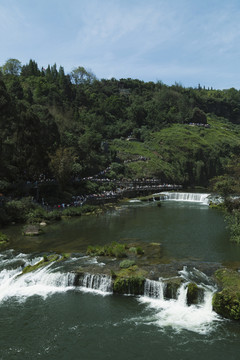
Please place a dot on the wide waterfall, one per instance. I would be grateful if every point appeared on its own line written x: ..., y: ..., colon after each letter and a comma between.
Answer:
x: 47, y: 280
x: 182, y: 196
x: 42, y: 282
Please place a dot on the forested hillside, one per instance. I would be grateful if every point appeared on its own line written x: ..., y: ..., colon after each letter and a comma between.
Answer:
x: 68, y: 126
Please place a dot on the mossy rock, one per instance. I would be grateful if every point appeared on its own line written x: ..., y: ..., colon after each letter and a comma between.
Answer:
x: 192, y: 294
x: 129, y: 281
x: 133, y: 285
x: 227, y: 301
x: 172, y: 286
x: 227, y: 304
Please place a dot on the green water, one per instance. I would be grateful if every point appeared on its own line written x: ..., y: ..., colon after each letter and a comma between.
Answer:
x: 186, y: 231
x: 72, y: 324
x: 84, y: 326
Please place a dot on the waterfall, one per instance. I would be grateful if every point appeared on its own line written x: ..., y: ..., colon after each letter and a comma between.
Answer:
x: 96, y: 282
x: 175, y: 313
x: 190, y: 197
x: 154, y: 289
x: 42, y: 282
x: 53, y: 278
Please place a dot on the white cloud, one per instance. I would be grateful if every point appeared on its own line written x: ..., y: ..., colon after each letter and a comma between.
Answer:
x: 158, y: 39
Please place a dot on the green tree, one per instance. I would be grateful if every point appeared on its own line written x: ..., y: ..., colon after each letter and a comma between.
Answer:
x: 80, y: 75
x: 11, y: 67
x: 198, y: 116
x: 30, y: 69
x: 62, y: 164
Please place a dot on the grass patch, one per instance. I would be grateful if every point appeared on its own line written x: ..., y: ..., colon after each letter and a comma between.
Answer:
x: 180, y: 153
x: 114, y: 249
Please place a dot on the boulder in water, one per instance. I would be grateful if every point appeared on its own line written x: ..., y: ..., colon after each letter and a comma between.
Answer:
x: 193, y: 294
x: 129, y: 281
x: 172, y: 286
x: 32, y: 230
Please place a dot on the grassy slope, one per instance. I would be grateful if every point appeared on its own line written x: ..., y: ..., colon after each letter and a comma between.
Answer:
x: 177, y: 148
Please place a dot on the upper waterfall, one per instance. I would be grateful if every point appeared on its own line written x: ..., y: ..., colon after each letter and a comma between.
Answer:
x: 182, y: 196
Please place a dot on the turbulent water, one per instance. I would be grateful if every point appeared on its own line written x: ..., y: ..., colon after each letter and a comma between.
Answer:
x: 59, y: 278
x: 45, y: 315
x: 175, y: 313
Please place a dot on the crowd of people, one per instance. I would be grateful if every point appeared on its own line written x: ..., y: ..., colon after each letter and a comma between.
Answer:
x: 123, y: 187
x: 199, y: 124
x: 120, y: 192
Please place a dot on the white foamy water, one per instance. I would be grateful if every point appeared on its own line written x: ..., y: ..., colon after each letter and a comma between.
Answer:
x: 41, y: 282
x: 189, y: 197
x: 51, y: 279
x: 96, y: 283
x: 176, y: 314
x: 46, y: 280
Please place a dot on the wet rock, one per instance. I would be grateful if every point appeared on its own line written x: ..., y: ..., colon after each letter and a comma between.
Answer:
x: 133, y: 285
x: 172, y: 286
x: 32, y: 230
x: 193, y: 293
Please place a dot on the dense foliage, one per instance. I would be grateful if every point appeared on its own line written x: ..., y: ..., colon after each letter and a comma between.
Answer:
x: 67, y: 126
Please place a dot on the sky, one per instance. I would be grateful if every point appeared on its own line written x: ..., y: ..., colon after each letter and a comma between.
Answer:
x: 189, y: 42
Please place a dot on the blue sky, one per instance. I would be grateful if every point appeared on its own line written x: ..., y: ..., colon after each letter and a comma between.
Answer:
x: 184, y: 41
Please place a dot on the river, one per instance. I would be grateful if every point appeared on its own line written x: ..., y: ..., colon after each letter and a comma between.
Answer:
x: 44, y: 316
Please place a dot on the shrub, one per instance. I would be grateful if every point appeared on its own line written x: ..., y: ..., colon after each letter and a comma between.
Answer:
x: 88, y: 208
x: 119, y: 251
x: 17, y: 210
x: 233, y: 220
x: 36, y: 216
x: 126, y: 264
x: 136, y: 250
x: 53, y: 215
x: 39, y: 214
x: 139, y: 250
x: 3, y: 238
x: 114, y: 249
x: 72, y: 211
